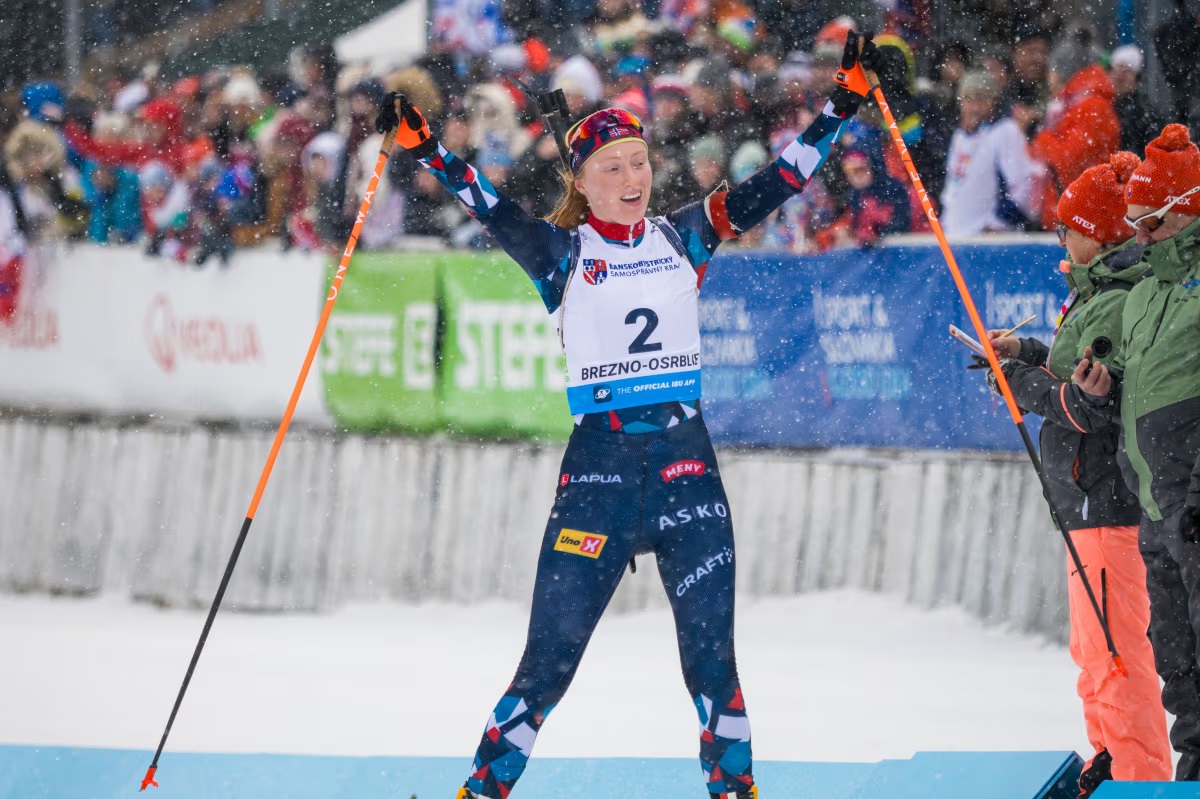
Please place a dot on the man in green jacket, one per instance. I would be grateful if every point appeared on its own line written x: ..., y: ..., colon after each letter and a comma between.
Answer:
x: 1155, y: 382
x: 1124, y: 715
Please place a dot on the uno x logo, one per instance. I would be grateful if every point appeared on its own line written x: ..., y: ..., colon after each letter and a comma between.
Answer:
x: 577, y: 542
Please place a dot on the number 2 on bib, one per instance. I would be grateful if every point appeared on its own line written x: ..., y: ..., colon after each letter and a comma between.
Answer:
x: 639, y: 344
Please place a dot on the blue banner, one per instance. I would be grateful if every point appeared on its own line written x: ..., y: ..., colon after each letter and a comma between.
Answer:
x: 851, y: 348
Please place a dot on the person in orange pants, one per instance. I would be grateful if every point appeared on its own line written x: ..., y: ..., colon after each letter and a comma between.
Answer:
x: 1124, y: 716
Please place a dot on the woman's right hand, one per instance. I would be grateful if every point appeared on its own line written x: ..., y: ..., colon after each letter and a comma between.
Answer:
x: 412, y: 131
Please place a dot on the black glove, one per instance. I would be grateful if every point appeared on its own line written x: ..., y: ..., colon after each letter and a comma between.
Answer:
x: 1009, y: 367
x: 979, y: 362
x: 852, y: 84
x: 387, y: 118
x: 412, y: 131
x: 1189, y: 524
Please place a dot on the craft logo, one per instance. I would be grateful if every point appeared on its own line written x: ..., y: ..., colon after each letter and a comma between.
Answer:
x: 567, y: 479
x: 207, y: 339
x: 722, y: 558
x: 577, y: 542
x: 602, y: 394
x: 680, y: 468
x: 595, y: 270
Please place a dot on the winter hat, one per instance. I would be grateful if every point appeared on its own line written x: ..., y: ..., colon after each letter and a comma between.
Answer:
x: 978, y: 83
x: 599, y: 130
x: 154, y: 174
x: 708, y: 148
x: 166, y: 113
x: 633, y: 100
x: 508, y: 59
x: 44, y: 102
x: 747, y: 159
x: 1171, y: 168
x: 295, y: 129
x: 578, y: 75
x: 1128, y: 55
x: 1094, y: 204
x: 1075, y: 52
x: 672, y: 84
x: 371, y: 88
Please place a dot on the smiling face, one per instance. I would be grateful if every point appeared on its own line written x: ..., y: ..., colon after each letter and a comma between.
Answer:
x: 616, y: 182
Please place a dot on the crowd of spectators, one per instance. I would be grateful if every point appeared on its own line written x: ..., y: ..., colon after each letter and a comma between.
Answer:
x: 193, y: 168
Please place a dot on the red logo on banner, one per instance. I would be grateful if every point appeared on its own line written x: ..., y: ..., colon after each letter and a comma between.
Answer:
x: 680, y: 468
x: 31, y: 329
x: 207, y: 339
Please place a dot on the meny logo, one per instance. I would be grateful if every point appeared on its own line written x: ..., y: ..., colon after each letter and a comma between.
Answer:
x: 680, y: 468
x: 577, y: 542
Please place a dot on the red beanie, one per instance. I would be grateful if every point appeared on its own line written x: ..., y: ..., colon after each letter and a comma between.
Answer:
x: 1094, y: 205
x: 1172, y: 167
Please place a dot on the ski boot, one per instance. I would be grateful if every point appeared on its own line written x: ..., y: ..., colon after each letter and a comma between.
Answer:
x: 466, y: 793
x: 1099, y: 771
x: 745, y: 793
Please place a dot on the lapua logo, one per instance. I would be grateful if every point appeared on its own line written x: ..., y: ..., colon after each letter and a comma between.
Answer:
x: 680, y: 468
x: 567, y: 479
x: 1083, y: 223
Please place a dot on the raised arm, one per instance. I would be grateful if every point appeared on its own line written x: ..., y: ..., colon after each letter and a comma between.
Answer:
x: 721, y: 216
x: 540, y: 248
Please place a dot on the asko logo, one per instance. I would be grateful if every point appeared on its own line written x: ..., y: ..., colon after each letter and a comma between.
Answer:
x: 680, y: 468
x: 204, y: 339
x: 577, y: 542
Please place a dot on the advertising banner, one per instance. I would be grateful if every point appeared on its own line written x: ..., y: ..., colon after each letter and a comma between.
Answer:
x: 378, y: 354
x: 503, y: 372
x: 850, y: 348
x: 111, y: 330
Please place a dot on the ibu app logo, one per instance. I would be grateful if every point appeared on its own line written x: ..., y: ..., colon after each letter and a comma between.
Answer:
x: 602, y: 393
x: 595, y: 270
x: 577, y: 542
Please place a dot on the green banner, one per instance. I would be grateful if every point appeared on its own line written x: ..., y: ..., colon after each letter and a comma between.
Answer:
x: 503, y: 372
x: 377, y: 358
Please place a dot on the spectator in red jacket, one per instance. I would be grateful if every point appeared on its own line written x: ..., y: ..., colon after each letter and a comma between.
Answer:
x: 1082, y: 128
x: 161, y: 139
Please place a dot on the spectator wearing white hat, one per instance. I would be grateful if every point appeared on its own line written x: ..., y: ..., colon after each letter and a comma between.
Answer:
x: 1138, y: 123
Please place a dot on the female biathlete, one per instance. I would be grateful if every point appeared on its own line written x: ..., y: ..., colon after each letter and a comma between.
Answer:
x: 639, y: 474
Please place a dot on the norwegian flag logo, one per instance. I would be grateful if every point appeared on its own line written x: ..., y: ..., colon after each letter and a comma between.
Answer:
x: 595, y: 271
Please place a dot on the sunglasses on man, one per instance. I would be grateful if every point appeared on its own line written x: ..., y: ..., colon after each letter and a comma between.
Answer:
x: 1148, y: 223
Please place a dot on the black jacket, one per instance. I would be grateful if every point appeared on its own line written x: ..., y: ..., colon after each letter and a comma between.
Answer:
x: 1084, y: 478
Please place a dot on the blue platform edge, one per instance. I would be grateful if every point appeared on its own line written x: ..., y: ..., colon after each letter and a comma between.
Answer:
x: 41, y: 772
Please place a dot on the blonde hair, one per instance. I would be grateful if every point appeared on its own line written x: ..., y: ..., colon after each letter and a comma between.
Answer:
x: 572, y: 209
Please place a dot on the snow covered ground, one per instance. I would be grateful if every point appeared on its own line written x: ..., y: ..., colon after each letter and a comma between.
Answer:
x: 838, y: 676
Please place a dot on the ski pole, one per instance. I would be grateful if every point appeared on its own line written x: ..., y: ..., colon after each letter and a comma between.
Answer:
x: 552, y: 107
x: 993, y: 361
x: 384, y: 152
